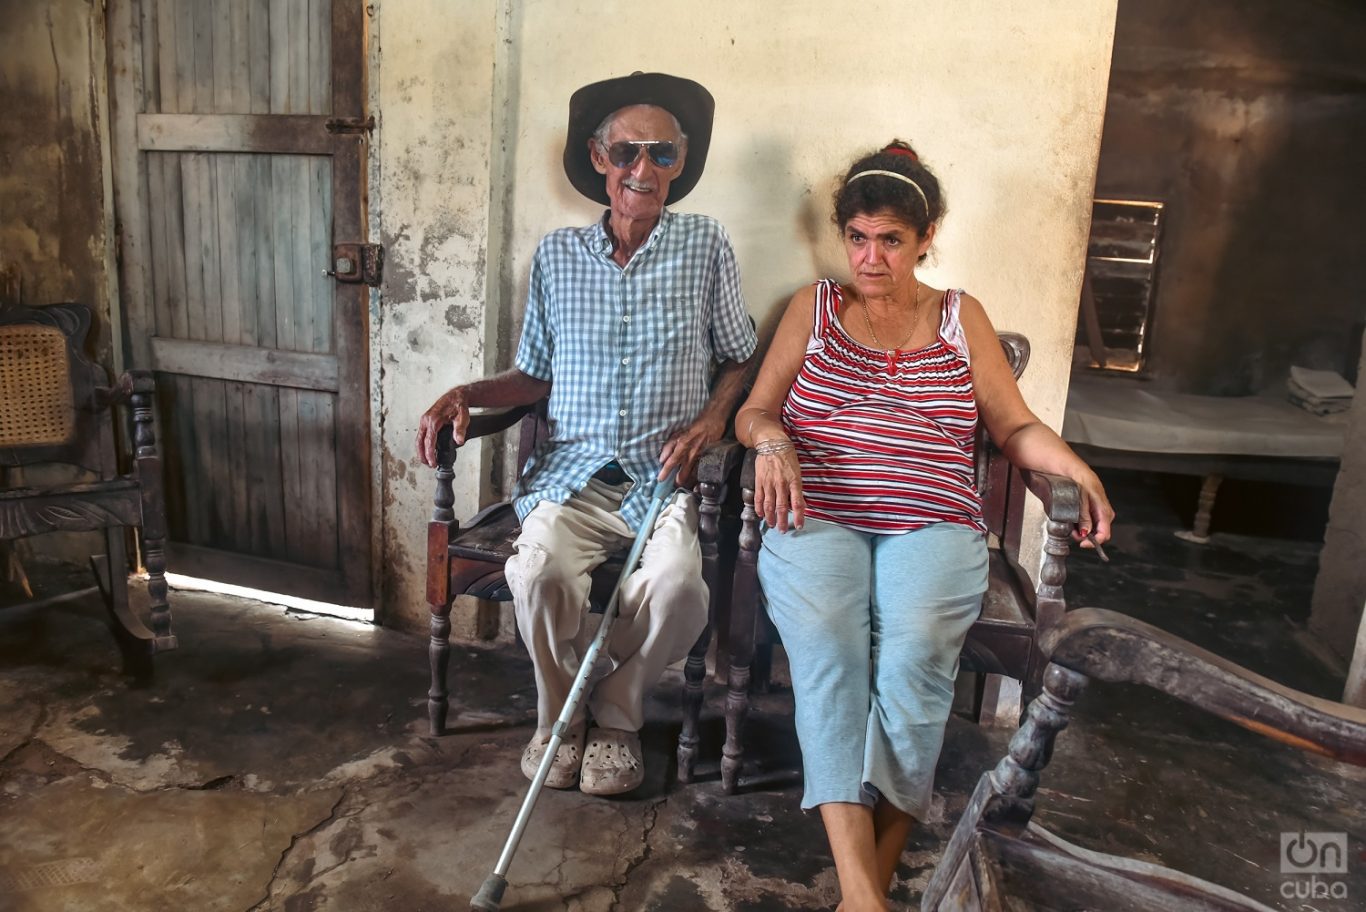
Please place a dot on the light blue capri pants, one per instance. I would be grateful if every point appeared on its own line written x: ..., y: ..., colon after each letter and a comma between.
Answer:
x: 873, y: 625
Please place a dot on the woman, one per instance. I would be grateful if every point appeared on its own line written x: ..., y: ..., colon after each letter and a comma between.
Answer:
x: 875, y: 562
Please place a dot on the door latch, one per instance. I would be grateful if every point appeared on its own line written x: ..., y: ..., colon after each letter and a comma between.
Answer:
x: 337, y: 125
x: 357, y: 264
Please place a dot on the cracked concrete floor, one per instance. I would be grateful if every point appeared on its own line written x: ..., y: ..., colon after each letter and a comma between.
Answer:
x: 280, y: 762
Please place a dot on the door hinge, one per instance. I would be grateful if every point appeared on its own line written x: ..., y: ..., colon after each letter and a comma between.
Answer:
x: 350, y: 125
x: 357, y: 264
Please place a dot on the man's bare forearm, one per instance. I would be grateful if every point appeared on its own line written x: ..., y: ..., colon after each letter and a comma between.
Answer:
x: 505, y: 390
x: 510, y: 388
x: 725, y: 393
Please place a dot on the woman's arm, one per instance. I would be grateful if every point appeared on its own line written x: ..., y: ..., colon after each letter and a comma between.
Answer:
x: 777, y: 474
x: 1023, y: 438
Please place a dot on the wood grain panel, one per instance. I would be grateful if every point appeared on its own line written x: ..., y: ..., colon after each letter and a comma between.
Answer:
x: 320, y: 56
x: 325, y: 479
x: 260, y: 359
x: 239, y: 56
x: 146, y: 76
x: 296, y: 134
x: 304, y: 513
x: 182, y: 69
x: 201, y: 14
x: 279, y: 61
x: 245, y: 363
x: 267, y: 479
x: 258, y: 56
x: 322, y: 289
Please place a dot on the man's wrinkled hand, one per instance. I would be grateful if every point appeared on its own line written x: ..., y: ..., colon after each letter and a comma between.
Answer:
x: 686, y: 447
x: 452, y: 409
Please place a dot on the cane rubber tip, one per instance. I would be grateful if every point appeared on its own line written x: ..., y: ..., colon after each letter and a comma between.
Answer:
x: 490, y: 895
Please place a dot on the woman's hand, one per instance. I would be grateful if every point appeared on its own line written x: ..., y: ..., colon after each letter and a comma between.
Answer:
x: 778, y: 485
x: 1096, y: 512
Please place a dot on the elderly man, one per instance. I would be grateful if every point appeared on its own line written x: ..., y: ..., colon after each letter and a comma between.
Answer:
x: 625, y: 321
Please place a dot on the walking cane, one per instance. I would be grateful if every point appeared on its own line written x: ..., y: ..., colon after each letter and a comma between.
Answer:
x: 490, y: 895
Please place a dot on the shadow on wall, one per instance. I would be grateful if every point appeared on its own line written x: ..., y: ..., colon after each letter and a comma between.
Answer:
x: 1292, y: 281
x: 1248, y: 122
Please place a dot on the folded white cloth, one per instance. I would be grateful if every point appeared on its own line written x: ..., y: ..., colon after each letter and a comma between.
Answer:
x: 1319, y: 391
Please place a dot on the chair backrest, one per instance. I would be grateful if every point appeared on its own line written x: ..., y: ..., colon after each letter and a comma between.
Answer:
x: 999, y: 482
x: 50, y: 410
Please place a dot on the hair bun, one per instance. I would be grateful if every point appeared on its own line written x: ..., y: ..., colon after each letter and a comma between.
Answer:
x: 900, y: 148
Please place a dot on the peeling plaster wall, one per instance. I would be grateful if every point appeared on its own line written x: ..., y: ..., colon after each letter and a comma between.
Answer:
x: 54, y: 186
x: 433, y: 96
x: 1004, y: 100
x: 1248, y: 120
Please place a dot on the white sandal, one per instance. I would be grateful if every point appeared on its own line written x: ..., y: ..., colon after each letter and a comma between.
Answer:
x: 564, y: 769
x: 612, y: 762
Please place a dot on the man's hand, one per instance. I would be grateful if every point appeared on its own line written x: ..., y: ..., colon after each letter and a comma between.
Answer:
x: 684, y: 448
x: 451, y: 408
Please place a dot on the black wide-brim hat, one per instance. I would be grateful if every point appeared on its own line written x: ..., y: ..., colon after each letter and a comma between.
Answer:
x: 589, y: 106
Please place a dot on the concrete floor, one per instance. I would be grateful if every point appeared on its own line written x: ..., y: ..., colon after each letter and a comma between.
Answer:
x: 280, y: 762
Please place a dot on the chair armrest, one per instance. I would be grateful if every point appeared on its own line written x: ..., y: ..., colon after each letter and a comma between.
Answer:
x: 482, y: 424
x: 719, y: 461
x: 747, y: 470
x: 1061, y: 497
x: 1114, y: 647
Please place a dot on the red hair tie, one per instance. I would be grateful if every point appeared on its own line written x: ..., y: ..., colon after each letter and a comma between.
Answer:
x: 901, y: 150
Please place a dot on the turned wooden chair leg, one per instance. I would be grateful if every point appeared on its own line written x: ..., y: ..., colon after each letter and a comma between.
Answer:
x: 442, y: 528
x: 743, y: 617
x: 694, y: 674
x: 154, y: 558
x: 153, y: 512
x: 737, y: 711
x: 439, y: 653
x: 1199, y: 531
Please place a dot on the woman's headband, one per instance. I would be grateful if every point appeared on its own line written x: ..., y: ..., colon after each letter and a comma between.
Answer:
x: 901, y: 177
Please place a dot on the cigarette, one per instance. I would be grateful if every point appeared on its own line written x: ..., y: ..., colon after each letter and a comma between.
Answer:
x: 1091, y: 537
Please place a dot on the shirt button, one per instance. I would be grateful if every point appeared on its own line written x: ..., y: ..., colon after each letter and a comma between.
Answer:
x: 622, y: 413
x: 625, y: 360
x: 626, y: 319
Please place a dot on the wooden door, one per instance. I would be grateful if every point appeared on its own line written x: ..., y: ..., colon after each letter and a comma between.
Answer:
x: 239, y: 159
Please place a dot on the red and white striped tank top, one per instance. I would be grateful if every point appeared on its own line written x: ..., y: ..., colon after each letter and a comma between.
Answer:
x: 884, y: 448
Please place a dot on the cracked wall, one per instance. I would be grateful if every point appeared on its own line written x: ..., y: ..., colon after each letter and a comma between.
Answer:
x: 1005, y: 102
x: 55, y: 231
x: 52, y: 218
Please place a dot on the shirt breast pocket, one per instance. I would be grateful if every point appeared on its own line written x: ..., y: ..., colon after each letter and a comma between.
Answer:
x: 677, y: 317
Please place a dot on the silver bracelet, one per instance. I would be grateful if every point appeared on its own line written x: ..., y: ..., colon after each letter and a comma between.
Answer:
x: 774, y: 447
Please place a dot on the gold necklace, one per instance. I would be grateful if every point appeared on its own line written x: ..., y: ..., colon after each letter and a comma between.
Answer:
x: 891, y: 353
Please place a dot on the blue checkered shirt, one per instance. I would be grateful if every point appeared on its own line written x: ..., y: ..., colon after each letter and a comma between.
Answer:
x: 629, y: 351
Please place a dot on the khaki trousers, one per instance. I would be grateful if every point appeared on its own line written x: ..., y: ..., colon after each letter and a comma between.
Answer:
x: 662, y: 607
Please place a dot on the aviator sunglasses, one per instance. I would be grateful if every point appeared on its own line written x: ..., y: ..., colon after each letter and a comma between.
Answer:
x: 623, y: 154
